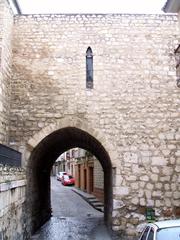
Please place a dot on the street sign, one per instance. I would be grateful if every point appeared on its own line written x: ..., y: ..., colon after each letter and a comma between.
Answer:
x: 150, y: 214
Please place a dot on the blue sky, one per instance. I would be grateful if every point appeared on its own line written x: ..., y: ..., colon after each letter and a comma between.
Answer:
x: 91, y: 6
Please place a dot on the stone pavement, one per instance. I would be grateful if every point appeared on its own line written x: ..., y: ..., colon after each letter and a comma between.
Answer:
x: 60, y: 228
x: 73, y: 218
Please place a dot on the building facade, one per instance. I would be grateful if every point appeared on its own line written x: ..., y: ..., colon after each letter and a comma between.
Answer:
x: 128, y: 117
x: 85, y: 168
x: 173, y: 6
x: 89, y: 175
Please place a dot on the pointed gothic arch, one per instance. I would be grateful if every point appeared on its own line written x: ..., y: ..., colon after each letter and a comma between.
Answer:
x: 46, y: 146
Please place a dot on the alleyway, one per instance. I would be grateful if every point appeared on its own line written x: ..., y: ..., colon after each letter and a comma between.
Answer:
x: 73, y: 218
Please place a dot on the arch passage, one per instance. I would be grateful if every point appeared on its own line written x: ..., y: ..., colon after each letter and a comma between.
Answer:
x: 42, y: 160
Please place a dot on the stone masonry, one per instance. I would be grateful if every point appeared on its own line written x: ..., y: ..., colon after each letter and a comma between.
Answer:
x: 134, y: 103
x: 133, y: 109
x: 98, y: 175
x: 12, y: 203
x: 6, y: 23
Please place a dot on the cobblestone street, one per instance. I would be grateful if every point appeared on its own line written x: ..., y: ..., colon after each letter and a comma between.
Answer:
x: 73, y: 218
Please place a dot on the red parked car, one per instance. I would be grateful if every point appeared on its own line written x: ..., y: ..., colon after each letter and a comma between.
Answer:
x: 68, y: 180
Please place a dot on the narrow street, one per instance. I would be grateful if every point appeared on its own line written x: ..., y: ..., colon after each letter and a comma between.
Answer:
x: 73, y: 218
x: 66, y: 203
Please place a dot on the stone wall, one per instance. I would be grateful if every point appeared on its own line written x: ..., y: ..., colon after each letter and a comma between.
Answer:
x: 6, y: 23
x: 98, y: 175
x: 133, y: 105
x: 98, y: 190
x: 12, y: 203
x: 179, y: 18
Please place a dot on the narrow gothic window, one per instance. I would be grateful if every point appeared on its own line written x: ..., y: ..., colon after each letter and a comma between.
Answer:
x: 89, y: 68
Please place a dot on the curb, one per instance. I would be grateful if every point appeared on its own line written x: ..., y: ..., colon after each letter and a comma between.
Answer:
x: 92, y: 200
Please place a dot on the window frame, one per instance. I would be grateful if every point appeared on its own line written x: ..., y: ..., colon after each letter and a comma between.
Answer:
x: 141, y: 237
x: 151, y: 228
x: 89, y: 68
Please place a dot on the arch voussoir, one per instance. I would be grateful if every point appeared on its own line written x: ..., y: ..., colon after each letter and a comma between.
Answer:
x: 70, y: 121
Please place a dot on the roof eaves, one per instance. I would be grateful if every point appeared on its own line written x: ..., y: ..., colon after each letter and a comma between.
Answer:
x: 165, y: 6
x: 171, y: 6
x: 15, y: 6
x: 16, y: 3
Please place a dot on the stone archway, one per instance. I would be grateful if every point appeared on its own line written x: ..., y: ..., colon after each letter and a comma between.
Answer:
x: 46, y: 146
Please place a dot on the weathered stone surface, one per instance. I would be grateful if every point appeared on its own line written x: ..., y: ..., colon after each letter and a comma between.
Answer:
x: 132, y: 109
x: 6, y: 25
x: 117, y: 204
x: 13, y: 219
